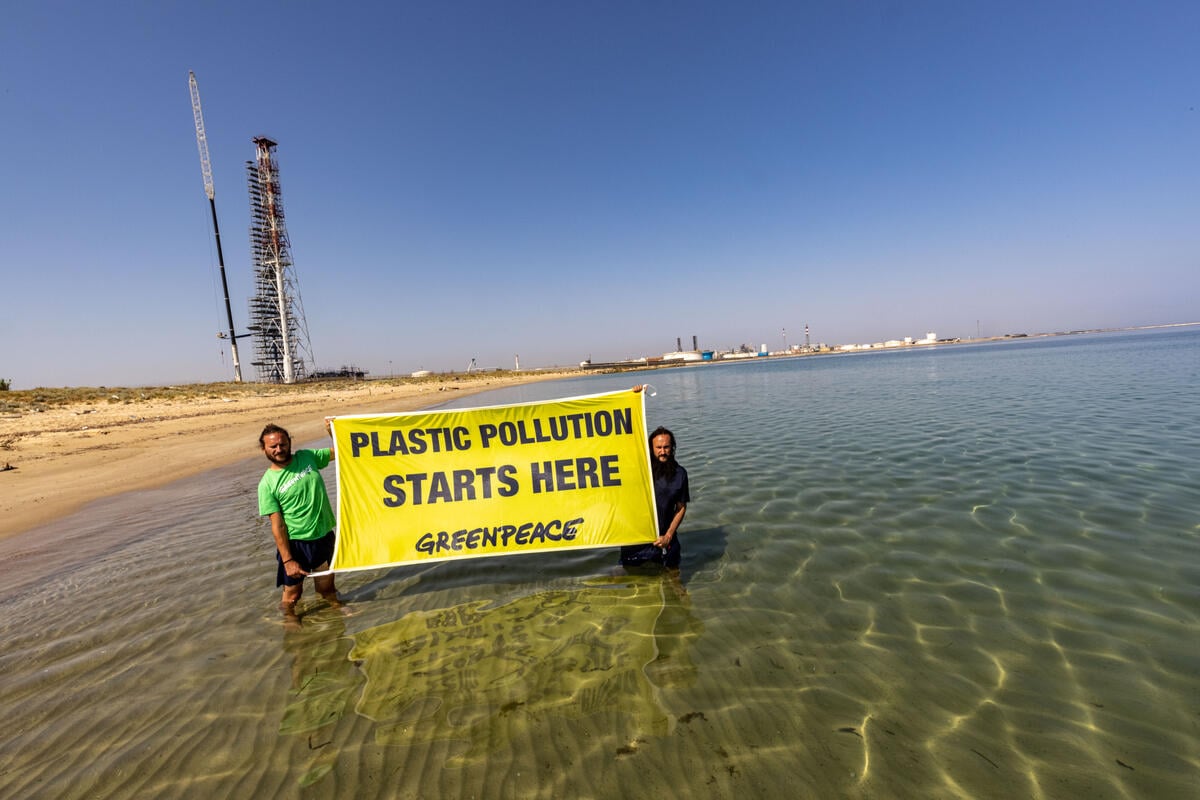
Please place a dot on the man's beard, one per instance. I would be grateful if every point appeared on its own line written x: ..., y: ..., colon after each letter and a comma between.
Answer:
x: 663, y: 469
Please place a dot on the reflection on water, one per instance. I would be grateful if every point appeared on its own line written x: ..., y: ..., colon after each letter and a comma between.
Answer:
x: 491, y: 682
x: 969, y: 572
x: 323, y: 687
x: 474, y: 671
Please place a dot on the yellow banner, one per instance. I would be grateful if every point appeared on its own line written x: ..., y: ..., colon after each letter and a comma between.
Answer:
x: 438, y: 485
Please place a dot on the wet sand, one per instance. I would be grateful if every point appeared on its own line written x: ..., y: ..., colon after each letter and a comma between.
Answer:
x: 64, y: 457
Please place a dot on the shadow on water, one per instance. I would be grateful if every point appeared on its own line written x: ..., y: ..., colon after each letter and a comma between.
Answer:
x: 542, y: 641
x: 705, y: 547
x: 324, y: 684
x: 539, y: 636
x: 475, y: 676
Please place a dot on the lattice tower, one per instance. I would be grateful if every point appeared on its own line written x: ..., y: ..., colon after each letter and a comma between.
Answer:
x: 281, y: 345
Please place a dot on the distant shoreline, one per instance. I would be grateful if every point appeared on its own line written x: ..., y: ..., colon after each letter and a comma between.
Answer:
x: 657, y: 362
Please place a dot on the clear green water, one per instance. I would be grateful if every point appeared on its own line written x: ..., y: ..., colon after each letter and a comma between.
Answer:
x: 960, y: 572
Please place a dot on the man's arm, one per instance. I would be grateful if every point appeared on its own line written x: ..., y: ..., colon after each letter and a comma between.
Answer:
x: 279, y: 531
x: 665, y: 540
x: 333, y: 442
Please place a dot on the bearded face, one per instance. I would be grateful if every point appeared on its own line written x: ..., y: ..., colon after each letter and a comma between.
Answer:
x: 662, y: 455
x: 278, y: 449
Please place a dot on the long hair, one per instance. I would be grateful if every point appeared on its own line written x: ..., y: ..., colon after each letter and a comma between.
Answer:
x: 657, y: 468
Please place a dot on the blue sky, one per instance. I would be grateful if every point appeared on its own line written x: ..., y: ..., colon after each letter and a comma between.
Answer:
x: 563, y: 180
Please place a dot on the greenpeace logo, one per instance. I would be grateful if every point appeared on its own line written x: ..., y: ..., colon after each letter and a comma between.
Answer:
x: 283, y: 487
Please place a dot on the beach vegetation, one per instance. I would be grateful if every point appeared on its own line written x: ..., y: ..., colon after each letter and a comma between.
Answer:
x: 16, y: 401
x: 5, y: 384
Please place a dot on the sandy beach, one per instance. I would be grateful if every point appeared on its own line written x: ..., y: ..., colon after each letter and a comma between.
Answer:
x: 65, y: 456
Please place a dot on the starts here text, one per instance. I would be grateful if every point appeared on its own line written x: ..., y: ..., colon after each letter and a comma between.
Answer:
x: 561, y: 475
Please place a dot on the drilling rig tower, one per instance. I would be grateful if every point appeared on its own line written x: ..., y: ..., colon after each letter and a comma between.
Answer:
x: 281, y: 345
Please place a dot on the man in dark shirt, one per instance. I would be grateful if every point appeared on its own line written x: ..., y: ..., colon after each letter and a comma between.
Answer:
x: 670, y: 501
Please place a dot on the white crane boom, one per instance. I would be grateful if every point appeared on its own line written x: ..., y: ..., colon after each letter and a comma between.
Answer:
x: 206, y: 168
x: 201, y: 139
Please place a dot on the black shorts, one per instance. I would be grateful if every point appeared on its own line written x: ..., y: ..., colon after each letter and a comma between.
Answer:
x: 309, y: 553
x: 635, y: 555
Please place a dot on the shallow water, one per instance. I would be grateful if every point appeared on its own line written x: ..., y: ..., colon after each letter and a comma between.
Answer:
x: 965, y: 571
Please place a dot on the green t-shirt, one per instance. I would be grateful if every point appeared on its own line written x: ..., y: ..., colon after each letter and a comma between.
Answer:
x: 299, y: 492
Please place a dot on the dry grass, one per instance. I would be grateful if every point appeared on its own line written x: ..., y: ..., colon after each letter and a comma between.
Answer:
x: 37, y: 400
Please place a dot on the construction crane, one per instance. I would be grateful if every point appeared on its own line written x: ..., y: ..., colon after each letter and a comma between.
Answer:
x: 206, y: 169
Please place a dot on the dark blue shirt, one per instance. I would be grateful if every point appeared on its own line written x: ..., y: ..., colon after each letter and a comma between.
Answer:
x: 668, y: 492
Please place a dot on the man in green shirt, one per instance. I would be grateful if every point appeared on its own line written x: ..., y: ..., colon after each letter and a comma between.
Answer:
x: 293, y: 495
